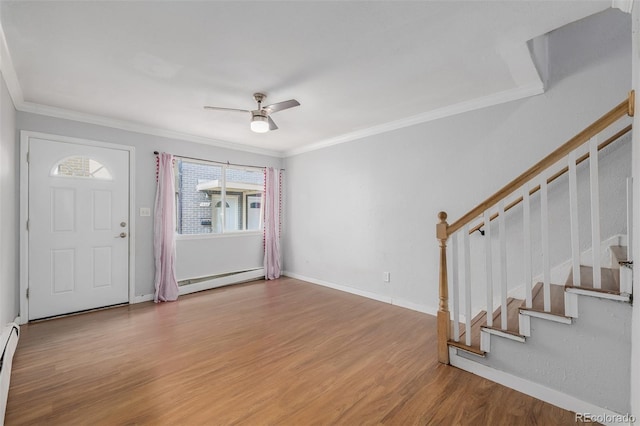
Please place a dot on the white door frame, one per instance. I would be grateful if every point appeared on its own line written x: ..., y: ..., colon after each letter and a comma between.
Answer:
x: 25, y: 136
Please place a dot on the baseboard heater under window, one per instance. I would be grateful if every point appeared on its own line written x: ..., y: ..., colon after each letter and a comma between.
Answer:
x: 8, y: 345
x: 212, y: 281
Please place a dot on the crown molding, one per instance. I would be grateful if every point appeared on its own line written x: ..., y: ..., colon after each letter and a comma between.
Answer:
x: 459, y: 108
x: 478, y: 103
x: 138, y: 128
x: 15, y: 91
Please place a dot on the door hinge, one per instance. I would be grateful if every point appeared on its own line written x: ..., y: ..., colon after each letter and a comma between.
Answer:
x: 27, y: 224
x: 27, y: 156
x: 27, y: 292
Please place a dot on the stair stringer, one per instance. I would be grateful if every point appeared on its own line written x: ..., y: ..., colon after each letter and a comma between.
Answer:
x: 562, y: 357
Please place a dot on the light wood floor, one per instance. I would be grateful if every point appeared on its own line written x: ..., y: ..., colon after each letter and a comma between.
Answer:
x: 280, y: 353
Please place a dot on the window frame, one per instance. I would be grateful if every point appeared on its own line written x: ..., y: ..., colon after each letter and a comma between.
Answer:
x: 223, y: 200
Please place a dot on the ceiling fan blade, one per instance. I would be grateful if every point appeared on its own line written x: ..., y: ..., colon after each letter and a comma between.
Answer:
x: 281, y: 105
x: 272, y: 125
x: 225, y: 109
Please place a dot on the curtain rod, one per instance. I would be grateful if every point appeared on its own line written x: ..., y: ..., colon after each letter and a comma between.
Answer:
x: 217, y: 162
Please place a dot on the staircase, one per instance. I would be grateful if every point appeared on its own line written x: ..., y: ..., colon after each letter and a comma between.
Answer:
x: 532, y: 310
x: 563, y: 305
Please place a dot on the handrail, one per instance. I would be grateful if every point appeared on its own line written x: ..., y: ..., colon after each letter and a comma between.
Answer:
x: 556, y: 175
x: 444, y: 230
x: 622, y: 109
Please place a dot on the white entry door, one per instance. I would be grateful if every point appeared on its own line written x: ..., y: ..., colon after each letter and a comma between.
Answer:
x: 78, y: 227
x: 231, y: 213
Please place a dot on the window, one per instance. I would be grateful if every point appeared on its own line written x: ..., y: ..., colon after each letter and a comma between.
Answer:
x: 84, y: 167
x: 202, y: 188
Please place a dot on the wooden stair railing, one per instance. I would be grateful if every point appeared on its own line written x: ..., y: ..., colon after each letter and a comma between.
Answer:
x: 556, y: 175
x: 445, y: 230
x: 444, y: 320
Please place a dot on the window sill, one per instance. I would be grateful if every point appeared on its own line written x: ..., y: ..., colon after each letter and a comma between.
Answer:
x: 214, y: 236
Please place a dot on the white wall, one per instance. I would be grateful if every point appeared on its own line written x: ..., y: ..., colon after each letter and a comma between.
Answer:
x: 9, y: 204
x: 215, y: 254
x: 358, y: 209
x: 198, y: 257
x: 635, y: 323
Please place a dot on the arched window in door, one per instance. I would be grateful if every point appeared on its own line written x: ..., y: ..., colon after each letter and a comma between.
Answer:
x: 82, y: 167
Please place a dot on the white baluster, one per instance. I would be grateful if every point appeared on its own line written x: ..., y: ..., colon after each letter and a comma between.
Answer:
x: 595, y: 211
x: 455, y: 286
x: 488, y: 265
x: 546, y: 264
x: 503, y: 265
x: 526, y: 233
x: 467, y: 284
x: 573, y: 214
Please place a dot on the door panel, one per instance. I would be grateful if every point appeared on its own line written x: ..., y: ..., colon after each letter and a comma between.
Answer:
x: 63, y: 209
x: 78, y: 203
x: 101, y: 209
x: 62, y: 270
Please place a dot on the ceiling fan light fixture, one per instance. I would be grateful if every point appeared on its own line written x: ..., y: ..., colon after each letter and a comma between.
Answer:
x: 260, y: 124
x: 261, y: 121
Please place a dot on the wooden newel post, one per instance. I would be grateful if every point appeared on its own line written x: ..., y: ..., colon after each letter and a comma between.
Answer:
x: 444, y: 321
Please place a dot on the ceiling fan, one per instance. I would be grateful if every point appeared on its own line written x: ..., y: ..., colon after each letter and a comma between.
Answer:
x: 261, y: 121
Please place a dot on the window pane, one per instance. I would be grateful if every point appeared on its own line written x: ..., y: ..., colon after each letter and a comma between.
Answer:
x: 81, y: 167
x: 199, y: 189
x: 244, y: 195
x: 199, y: 198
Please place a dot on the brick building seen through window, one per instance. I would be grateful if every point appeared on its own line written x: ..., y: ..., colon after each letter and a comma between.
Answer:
x: 200, y: 189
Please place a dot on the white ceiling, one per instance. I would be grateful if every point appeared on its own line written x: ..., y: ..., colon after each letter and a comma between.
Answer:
x: 356, y: 67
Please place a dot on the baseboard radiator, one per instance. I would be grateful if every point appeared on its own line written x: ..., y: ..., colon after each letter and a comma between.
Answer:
x: 8, y: 344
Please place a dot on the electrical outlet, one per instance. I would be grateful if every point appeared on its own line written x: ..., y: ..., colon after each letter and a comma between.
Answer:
x: 386, y: 276
x: 145, y: 211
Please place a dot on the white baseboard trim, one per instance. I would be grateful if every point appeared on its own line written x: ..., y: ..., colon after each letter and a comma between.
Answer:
x: 431, y: 310
x: 347, y: 289
x: 536, y: 390
x: 425, y: 309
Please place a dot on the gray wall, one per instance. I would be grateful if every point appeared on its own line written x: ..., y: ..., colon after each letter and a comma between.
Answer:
x: 357, y: 209
x: 635, y: 335
x: 214, y: 255
x: 588, y: 359
x: 9, y: 207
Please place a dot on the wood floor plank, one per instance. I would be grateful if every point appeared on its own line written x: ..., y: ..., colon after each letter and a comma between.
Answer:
x: 283, y: 352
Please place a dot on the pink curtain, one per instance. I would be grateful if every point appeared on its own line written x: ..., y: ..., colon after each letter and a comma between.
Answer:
x: 272, y: 224
x: 164, y: 243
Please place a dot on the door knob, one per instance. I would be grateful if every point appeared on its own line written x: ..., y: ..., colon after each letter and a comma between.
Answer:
x: 122, y: 235
x: 123, y: 224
